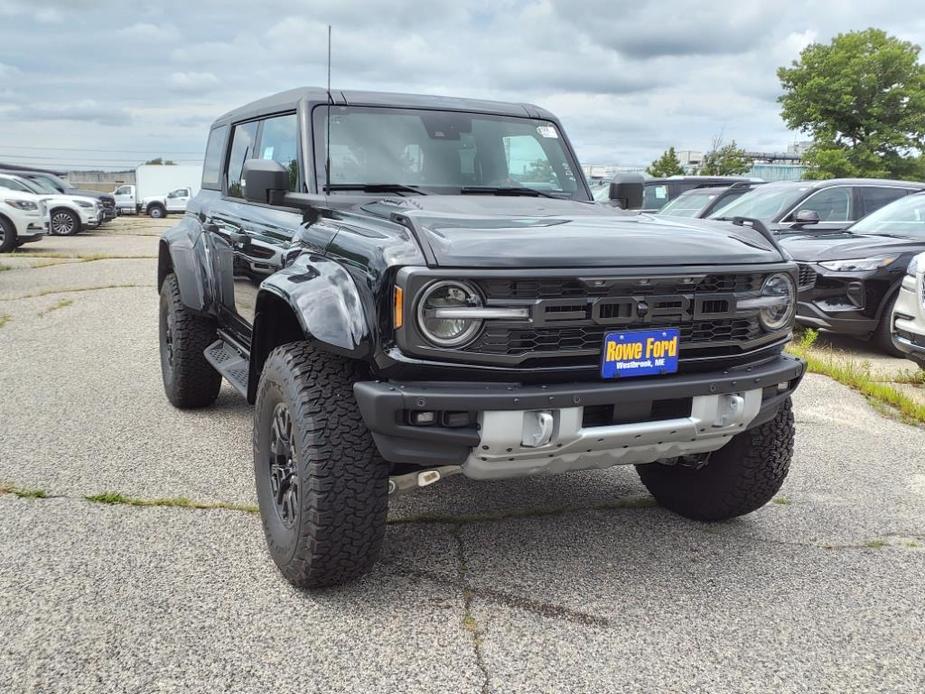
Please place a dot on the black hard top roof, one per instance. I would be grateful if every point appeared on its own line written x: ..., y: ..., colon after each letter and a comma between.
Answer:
x: 311, y: 96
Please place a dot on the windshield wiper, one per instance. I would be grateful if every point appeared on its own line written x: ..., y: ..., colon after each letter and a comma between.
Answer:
x: 376, y: 188
x: 493, y: 190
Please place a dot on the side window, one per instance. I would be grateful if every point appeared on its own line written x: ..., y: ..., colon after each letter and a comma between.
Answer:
x: 279, y: 141
x: 212, y: 166
x: 242, y: 149
x: 831, y: 204
x: 874, y: 198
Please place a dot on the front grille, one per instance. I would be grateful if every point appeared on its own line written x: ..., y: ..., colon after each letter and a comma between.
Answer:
x: 807, y: 277
x: 520, y: 341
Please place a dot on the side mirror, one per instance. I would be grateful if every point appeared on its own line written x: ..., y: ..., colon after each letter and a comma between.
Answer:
x: 804, y: 217
x: 265, y: 181
x: 626, y: 191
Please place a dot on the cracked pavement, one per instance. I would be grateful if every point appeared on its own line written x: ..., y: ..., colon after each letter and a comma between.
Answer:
x: 571, y: 583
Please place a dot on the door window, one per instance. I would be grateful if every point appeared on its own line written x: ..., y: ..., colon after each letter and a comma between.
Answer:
x: 831, y: 204
x: 242, y: 149
x: 873, y: 198
x: 279, y: 141
x: 212, y: 166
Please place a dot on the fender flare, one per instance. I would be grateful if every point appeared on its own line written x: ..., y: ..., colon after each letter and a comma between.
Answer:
x: 180, y: 252
x: 326, y: 302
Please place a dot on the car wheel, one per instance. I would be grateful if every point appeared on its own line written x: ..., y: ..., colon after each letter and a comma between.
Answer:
x: 64, y: 222
x: 322, y: 486
x: 883, y: 337
x: 8, y: 241
x: 739, y: 478
x: 189, y: 380
x: 157, y: 212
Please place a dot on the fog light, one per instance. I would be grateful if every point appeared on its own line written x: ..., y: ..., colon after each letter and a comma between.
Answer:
x: 423, y: 418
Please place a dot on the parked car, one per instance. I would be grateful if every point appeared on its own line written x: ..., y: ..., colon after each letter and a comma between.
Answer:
x: 859, y: 271
x: 445, y: 298
x: 158, y: 206
x: 54, y: 185
x: 23, y: 219
x: 797, y: 206
x: 68, y: 214
x: 700, y: 203
x: 657, y: 192
x: 908, y: 319
x: 154, y: 183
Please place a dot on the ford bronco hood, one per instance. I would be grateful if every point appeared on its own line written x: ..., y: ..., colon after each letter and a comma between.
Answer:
x: 499, y: 231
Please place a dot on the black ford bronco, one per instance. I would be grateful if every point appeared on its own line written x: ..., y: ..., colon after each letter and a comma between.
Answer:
x: 410, y: 287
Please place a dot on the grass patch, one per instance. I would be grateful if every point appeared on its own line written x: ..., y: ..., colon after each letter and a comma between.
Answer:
x: 61, y: 303
x: 857, y: 376
x: 23, y: 492
x: 115, y: 498
x: 73, y: 290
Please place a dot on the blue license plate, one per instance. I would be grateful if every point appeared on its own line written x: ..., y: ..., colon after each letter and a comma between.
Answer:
x: 640, y: 353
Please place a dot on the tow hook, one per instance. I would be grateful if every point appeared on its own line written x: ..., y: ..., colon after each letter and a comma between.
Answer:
x: 421, y: 478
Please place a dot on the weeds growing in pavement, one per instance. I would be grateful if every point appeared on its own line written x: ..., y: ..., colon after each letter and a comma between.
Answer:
x: 855, y: 375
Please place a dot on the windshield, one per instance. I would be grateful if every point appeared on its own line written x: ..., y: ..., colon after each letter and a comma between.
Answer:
x: 905, y: 217
x: 765, y: 203
x: 44, y: 185
x: 17, y: 184
x: 444, y: 152
x: 690, y: 204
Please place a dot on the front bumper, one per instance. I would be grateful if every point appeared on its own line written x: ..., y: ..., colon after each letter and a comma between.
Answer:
x: 909, y: 317
x: 706, y: 410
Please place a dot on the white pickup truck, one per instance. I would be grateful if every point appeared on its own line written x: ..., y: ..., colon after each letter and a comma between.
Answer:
x: 159, y: 189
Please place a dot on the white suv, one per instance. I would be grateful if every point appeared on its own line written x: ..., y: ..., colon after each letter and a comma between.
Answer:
x: 909, y: 312
x: 23, y: 218
x: 68, y: 214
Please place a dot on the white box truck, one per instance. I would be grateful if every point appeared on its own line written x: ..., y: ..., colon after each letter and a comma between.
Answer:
x: 159, y: 189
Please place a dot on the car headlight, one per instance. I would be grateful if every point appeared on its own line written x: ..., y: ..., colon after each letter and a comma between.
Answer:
x: 859, y: 264
x: 81, y: 203
x: 777, y: 302
x: 913, y: 267
x: 442, y: 313
x: 22, y: 204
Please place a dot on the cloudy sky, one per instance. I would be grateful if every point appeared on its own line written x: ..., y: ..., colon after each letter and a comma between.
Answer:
x: 111, y: 83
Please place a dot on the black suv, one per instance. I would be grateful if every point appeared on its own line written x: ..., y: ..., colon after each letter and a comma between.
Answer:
x: 409, y: 287
x: 801, y: 206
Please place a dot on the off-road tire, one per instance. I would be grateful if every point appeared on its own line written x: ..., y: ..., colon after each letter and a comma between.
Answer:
x: 189, y: 380
x: 336, y: 531
x: 75, y: 226
x: 156, y: 211
x: 739, y: 478
x: 883, y: 336
x: 8, y: 242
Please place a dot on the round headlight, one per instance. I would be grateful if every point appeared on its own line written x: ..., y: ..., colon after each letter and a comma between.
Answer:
x: 779, y: 286
x: 440, y: 298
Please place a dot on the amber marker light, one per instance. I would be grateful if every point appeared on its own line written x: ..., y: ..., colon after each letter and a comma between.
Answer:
x: 398, y: 307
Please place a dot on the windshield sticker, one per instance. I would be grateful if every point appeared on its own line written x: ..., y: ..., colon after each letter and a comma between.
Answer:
x: 547, y: 131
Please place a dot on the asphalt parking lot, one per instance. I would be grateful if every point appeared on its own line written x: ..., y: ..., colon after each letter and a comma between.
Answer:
x: 569, y: 583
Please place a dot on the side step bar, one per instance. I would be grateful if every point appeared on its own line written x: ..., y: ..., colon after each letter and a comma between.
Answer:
x: 230, y: 363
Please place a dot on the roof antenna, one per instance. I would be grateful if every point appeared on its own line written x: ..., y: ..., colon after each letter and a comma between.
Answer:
x: 327, y: 134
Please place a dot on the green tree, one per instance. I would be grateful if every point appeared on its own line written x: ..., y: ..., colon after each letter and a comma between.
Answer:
x: 725, y: 160
x: 666, y: 165
x: 862, y: 98
x: 159, y: 161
